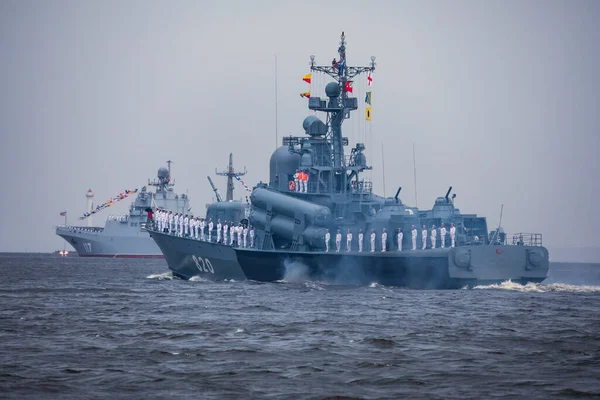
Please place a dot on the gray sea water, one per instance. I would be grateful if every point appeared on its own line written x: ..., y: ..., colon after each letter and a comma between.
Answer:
x: 73, y: 328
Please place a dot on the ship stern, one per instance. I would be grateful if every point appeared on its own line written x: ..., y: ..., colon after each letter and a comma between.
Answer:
x: 489, y: 264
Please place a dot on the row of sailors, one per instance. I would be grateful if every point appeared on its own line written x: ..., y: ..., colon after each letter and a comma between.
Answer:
x: 400, y: 236
x: 189, y: 226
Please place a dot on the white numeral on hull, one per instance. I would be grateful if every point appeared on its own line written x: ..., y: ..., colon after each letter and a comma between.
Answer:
x: 203, y: 264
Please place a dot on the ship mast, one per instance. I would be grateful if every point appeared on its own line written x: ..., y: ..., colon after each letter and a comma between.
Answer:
x: 339, y: 111
x: 230, y: 174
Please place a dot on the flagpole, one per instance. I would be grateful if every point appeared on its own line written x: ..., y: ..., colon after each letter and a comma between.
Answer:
x: 65, y: 240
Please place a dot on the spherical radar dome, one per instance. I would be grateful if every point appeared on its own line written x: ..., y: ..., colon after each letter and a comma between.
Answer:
x: 332, y: 89
x: 163, y: 173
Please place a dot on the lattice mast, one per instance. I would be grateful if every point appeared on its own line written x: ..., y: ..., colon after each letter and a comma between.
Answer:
x: 230, y: 173
x: 344, y: 76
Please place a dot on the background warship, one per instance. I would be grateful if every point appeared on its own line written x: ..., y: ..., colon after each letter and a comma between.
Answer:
x: 291, y: 225
x: 125, y: 236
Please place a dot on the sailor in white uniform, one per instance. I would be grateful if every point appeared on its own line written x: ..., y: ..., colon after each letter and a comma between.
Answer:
x: 424, y: 237
x: 210, y: 229
x: 413, y: 233
x: 443, y: 236
x: 225, y: 230
x: 372, y: 240
x: 296, y: 182
x: 383, y: 240
x: 202, y: 225
x: 219, y: 227
x: 252, y: 237
x: 349, y: 241
x: 170, y: 222
x: 245, y: 233
x: 433, y: 236
x: 176, y: 224
x: 240, y: 232
x: 400, y: 237
x: 360, y: 240
x: 181, y: 219
x: 452, y: 234
x: 338, y: 241
x: 231, y: 233
x: 327, y: 239
x: 186, y: 224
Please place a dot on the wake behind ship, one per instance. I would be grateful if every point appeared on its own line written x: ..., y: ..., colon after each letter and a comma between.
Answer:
x: 125, y: 236
x: 319, y: 219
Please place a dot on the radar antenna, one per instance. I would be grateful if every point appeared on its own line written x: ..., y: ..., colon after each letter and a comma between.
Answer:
x: 169, y: 162
x: 230, y: 173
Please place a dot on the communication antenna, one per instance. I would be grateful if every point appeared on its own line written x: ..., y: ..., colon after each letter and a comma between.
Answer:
x: 415, y: 173
x: 383, y: 168
x: 276, y: 119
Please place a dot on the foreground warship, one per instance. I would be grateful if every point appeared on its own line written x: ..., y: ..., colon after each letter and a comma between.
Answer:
x: 125, y: 236
x: 291, y: 226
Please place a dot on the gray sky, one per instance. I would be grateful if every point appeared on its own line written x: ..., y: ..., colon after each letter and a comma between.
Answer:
x: 501, y: 98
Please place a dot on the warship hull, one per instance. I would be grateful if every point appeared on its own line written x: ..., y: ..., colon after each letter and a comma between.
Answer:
x: 450, y: 268
x: 93, y: 242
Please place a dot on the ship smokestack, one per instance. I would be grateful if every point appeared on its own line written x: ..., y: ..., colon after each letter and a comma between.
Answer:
x: 90, y: 205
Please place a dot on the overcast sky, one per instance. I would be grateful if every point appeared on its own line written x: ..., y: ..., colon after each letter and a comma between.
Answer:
x: 501, y: 98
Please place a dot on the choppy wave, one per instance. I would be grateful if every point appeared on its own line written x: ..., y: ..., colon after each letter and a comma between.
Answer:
x: 540, y: 287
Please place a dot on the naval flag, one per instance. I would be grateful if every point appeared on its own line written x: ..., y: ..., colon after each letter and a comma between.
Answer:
x: 63, y: 214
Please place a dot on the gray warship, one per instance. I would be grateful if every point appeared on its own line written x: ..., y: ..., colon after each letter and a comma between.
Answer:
x: 290, y: 226
x: 125, y: 236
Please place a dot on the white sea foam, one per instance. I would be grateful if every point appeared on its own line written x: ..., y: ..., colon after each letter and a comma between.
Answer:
x: 313, y: 285
x: 540, y: 288
x: 162, y: 277
x: 197, y: 278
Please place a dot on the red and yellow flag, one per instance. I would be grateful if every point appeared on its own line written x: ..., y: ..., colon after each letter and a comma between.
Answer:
x: 306, y: 78
x: 305, y: 94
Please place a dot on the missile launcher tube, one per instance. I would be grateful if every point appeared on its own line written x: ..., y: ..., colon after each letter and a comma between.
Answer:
x: 284, y: 226
x: 288, y: 206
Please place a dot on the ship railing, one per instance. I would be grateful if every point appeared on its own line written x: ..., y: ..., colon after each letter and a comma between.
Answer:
x: 80, y: 229
x: 527, y: 239
x: 362, y: 187
x: 118, y: 218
